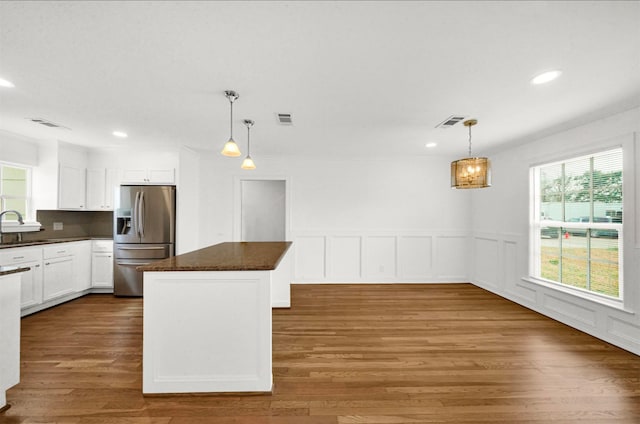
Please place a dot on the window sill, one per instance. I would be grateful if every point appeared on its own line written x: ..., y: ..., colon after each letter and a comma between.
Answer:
x: 582, y: 294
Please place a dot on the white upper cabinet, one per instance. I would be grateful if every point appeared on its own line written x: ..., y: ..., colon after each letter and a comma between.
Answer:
x: 71, y: 187
x: 149, y: 176
x: 101, y: 183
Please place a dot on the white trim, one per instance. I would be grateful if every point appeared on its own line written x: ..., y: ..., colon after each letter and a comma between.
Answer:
x: 237, y: 202
x: 602, y: 299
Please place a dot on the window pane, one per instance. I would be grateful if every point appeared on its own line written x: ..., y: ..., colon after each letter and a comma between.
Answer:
x: 574, y: 261
x: 551, y: 192
x: 607, y: 185
x: 577, y: 185
x: 19, y: 205
x: 604, y: 266
x: 14, y: 181
x: 550, y: 258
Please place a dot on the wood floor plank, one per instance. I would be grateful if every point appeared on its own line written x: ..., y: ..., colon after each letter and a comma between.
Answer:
x: 342, y: 354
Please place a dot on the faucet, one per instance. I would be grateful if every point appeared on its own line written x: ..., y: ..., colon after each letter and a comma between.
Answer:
x: 19, y: 220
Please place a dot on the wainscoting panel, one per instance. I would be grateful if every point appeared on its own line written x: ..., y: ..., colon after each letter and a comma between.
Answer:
x: 452, y: 256
x: 386, y: 257
x: 485, y: 260
x: 571, y: 310
x: 379, y: 258
x: 624, y: 330
x: 310, y: 257
x: 344, y: 256
x: 415, y: 257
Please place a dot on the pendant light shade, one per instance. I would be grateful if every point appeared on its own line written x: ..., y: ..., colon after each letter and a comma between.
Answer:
x: 247, y: 163
x: 471, y: 172
x: 230, y: 148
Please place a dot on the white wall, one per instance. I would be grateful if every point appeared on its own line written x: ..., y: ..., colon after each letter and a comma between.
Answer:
x: 351, y: 220
x: 500, y: 225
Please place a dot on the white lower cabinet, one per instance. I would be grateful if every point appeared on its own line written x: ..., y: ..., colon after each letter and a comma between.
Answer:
x: 58, y: 277
x: 82, y: 264
x: 102, y: 264
x: 59, y: 272
x: 31, y: 286
x: 31, y: 293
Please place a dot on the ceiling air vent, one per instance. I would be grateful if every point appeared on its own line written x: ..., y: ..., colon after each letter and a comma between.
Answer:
x: 450, y: 121
x: 47, y: 123
x: 285, y: 119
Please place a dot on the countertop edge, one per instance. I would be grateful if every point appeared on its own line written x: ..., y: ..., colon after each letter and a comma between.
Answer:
x: 214, y: 267
x: 50, y: 241
x: 6, y: 270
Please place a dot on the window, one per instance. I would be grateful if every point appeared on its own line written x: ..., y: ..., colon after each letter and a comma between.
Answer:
x: 577, y: 223
x: 15, y: 190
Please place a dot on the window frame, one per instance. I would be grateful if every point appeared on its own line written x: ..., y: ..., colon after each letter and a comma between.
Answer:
x: 28, y: 197
x: 536, y: 223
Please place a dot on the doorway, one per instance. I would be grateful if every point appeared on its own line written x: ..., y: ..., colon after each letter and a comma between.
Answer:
x: 263, y: 210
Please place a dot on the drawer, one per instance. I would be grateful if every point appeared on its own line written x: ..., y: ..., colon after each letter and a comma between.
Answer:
x: 57, y: 250
x: 19, y: 255
x: 102, y: 246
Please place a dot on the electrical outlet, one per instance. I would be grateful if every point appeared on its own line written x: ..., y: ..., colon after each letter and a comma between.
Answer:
x: 57, y: 226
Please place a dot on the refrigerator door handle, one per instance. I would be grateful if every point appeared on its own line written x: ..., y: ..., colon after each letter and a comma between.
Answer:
x: 134, y: 215
x: 142, y: 248
x: 141, y: 213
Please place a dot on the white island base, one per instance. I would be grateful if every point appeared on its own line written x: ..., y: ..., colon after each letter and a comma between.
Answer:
x: 209, y: 331
x: 10, y: 282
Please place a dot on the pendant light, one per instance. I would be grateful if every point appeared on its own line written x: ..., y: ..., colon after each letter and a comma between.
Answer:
x: 247, y: 163
x: 471, y: 172
x: 231, y: 148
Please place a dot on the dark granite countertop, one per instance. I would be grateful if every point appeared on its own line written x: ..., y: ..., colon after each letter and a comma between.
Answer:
x: 229, y: 256
x: 6, y: 270
x: 49, y: 241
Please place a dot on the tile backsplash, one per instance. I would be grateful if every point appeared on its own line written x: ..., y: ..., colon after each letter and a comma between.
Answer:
x: 74, y: 224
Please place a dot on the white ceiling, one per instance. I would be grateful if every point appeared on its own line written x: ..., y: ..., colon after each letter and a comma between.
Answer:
x: 360, y: 78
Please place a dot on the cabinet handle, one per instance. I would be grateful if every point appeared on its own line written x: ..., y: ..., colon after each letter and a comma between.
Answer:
x: 61, y: 251
x: 47, y: 263
x: 38, y: 266
x: 18, y: 257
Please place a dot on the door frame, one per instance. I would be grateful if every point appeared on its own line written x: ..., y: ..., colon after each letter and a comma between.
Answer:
x: 237, y: 202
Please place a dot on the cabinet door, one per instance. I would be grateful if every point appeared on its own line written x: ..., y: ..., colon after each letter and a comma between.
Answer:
x: 102, y: 270
x: 57, y: 277
x: 166, y: 176
x: 82, y: 264
x: 96, y: 188
x: 71, y: 188
x: 31, y: 288
x: 134, y: 176
x: 111, y: 182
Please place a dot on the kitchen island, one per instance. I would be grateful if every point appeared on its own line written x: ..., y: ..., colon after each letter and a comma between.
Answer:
x: 207, y: 318
x: 9, y: 330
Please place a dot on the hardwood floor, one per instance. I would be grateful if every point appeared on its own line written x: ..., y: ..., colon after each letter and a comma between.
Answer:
x: 345, y: 354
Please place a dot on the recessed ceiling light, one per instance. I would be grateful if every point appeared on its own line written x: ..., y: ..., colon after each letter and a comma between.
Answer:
x: 5, y: 83
x: 120, y: 134
x: 546, y: 77
x: 431, y: 145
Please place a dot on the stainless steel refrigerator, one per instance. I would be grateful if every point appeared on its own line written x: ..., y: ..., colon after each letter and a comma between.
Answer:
x: 144, y: 223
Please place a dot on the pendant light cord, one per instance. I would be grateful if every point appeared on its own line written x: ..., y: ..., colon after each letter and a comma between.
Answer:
x: 470, y: 140
x: 231, y: 120
x: 248, y: 141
